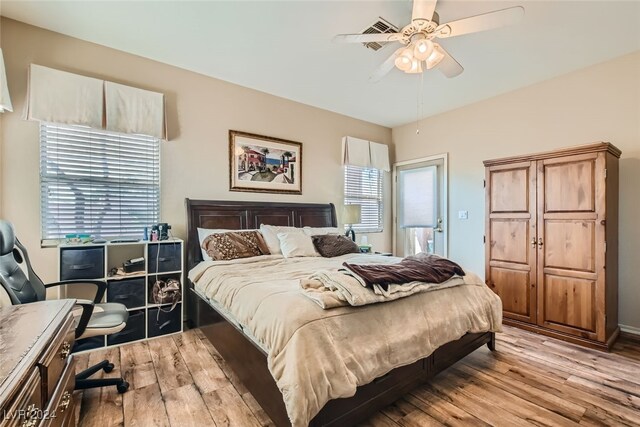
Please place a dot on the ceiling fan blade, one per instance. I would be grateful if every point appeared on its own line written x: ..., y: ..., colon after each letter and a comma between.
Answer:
x: 423, y: 10
x: 449, y: 66
x: 367, y: 38
x: 486, y: 21
x: 385, y: 67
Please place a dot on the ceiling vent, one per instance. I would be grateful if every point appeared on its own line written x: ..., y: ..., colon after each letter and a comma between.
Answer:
x: 379, y: 27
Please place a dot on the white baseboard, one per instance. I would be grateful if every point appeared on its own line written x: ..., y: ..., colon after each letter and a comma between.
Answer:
x: 630, y: 330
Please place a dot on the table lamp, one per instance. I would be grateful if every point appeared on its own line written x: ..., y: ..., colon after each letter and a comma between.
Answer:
x: 351, y: 215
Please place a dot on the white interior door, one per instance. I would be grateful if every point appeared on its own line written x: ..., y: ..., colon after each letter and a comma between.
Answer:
x: 420, y: 207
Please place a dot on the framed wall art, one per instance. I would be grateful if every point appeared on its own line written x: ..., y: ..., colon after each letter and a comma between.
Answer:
x: 264, y: 164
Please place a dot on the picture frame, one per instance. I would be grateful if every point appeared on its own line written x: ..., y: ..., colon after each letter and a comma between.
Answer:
x: 264, y: 164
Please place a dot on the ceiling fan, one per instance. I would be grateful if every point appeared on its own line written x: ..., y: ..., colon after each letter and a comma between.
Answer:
x: 420, y: 49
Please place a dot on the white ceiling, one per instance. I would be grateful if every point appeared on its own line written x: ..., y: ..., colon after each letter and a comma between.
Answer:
x: 285, y: 48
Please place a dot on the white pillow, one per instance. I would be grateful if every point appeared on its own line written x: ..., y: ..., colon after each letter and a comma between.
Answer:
x: 296, y: 244
x: 317, y: 231
x: 270, y: 235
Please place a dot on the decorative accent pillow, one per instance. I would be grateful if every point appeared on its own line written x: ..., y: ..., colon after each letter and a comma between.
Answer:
x: 270, y: 234
x: 203, y: 233
x: 316, y: 231
x: 296, y: 244
x: 234, y: 245
x: 332, y: 245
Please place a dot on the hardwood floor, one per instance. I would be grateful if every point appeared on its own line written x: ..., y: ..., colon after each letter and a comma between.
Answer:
x: 181, y: 380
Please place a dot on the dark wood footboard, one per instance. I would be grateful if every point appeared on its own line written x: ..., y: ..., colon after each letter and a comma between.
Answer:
x: 249, y: 362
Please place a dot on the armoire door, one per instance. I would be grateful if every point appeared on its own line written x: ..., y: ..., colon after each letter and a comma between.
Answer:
x: 571, y: 222
x: 510, y: 240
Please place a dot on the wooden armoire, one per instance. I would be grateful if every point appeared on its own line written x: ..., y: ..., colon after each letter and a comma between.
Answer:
x: 551, y: 242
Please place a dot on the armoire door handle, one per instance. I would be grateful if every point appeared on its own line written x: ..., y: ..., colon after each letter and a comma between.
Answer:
x: 540, y: 241
x: 533, y: 242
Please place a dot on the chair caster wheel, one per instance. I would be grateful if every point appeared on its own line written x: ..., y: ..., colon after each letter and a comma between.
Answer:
x: 122, y: 387
x: 108, y: 368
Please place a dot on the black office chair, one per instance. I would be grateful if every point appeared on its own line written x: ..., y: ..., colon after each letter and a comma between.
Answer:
x: 95, y: 318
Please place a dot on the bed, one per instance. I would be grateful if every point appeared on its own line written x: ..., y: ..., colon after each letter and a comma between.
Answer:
x: 249, y: 359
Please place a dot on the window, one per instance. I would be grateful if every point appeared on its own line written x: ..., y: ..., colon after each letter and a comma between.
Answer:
x: 97, y: 182
x: 363, y: 186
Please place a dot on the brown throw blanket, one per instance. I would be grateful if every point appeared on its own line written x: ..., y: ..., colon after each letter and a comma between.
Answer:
x: 417, y: 268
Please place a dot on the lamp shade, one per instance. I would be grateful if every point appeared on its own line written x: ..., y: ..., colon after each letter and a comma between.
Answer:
x: 351, y: 214
x: 5, y: 99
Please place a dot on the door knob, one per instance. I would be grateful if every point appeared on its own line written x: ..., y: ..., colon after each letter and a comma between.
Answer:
x: 533, y: 242
x: 540, y: 242
x: 439, y: 227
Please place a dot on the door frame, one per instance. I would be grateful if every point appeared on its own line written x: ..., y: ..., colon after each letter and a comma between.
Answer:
x: 445, y: 196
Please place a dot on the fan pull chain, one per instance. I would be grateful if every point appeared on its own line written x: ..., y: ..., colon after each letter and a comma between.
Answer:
x: 418, y: 109
x: 419, y: 101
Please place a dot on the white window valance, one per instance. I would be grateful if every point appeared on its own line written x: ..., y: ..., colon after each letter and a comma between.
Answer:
x: 365, y: 154
x: 56, y: 96
x: 380, y: 156
x: 134, y: 111
x: 5, y: 99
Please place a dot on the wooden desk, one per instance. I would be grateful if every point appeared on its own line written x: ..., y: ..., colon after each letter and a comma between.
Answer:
x: 36, y: 367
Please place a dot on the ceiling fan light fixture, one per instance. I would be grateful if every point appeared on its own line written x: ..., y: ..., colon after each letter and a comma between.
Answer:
x: 416, y: 67
x: 435, y: 57
x: 404, y: 61
x: 423, y: 49
x: 418, y: 38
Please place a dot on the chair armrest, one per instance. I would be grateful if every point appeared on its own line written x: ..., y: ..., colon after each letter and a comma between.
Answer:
x: 87, y: 311
x: 101, y: 286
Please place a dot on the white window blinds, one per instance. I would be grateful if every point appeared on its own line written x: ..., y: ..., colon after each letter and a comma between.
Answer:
x: 417, y: 197
x: 96, y: 182
x: 363, y: 186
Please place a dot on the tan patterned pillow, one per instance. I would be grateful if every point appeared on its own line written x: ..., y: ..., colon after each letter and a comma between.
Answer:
x: 234, y: 245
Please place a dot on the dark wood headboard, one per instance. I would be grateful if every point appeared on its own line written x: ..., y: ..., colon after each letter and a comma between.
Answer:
x: 232, y: 215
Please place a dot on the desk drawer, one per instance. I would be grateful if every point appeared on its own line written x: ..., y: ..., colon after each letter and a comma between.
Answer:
x: 61, y: 403
x: 26, y: 408
x: 53, y: 361
x: 81, y: 263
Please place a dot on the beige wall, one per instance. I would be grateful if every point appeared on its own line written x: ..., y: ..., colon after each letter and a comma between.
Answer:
x: 201, y: 110
x: 600, y: 103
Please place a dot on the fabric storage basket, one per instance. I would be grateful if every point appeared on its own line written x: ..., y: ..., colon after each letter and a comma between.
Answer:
x: 129, y: 292
x: 161, y: 322
x: 82, y: 263
x: 88, y: 343
x: 132, y: 332
x: 163, y: 257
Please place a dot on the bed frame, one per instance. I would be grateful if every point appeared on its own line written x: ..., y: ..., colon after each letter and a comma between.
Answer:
x: 249, y: 362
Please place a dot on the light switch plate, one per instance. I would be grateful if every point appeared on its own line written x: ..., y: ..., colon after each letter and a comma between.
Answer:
x: 463, y: 214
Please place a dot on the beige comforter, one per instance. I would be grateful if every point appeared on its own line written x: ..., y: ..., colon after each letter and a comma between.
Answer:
x: 331, y: 289
x: 316, y: 355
